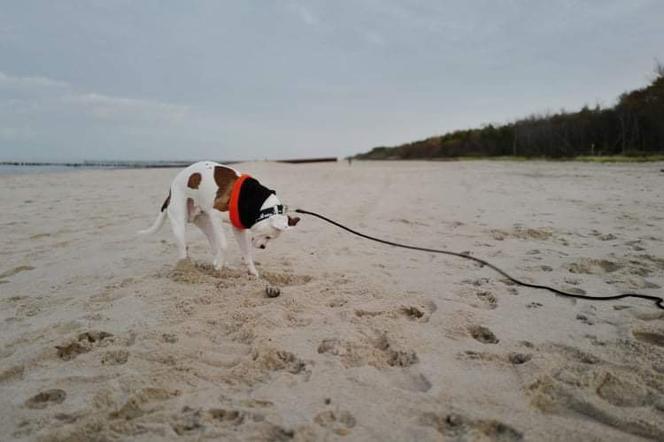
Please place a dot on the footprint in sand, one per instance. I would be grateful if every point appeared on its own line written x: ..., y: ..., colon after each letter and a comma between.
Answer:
x: 649, y: 337
x: 337, y: 302
x: 519, y: 358
x: 27, y: 310
x: 82, y: 344
x: 227, y: 417
x: 624, y: 397
x: 115, y: 357
x: 483, y: 334
x: 271, y: 359
x: 622, y: 392
x: 14, y: 372
x: 395, y: 358
x: 634, y: 283
x: 572, y: 281
x: 188, y: 421
x: 574, y: 290
x: 46, y: 398
x: 487, y: 300
x: 574, y: 354
x: 339, y: 422
x: 14, y: 271
x: 584, y: 319
x: 636, y: 245
x: 192, y: 421
x: 410, y: 381
x: 593, y: 266
x: 412, y: 312
x: 170, y: 338
x: 600, y: 395
x: 331, y: 346
x: 512, y: 358
x: 368, y: 313
x: 136, y: 404
x: 458, y: 427
x: 378, y: 353
x: 477, y: 282
x: 40, y: 235
x: 419, y: 313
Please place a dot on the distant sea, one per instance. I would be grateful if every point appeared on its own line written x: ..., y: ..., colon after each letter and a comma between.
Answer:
x: 30, y: 168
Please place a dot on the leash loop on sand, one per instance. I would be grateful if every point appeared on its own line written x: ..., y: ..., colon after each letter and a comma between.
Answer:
x: 659, y: 302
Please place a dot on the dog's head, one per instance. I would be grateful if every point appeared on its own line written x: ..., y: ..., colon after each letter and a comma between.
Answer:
x: 270, y: 228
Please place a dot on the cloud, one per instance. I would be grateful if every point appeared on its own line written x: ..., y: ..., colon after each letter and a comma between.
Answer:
x: 107, y: 107
x: 29, y: 84
x: 374, y: 38
x: 34, y: 94
x: 304, y: 13
x: 44, y: 118
x: 14, y: 134
x: 307, y: 16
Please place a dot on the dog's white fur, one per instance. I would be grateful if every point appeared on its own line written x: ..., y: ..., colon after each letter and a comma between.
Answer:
x: 197, y: 206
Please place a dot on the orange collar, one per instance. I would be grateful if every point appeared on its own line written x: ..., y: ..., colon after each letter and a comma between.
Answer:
x: 233, y: 209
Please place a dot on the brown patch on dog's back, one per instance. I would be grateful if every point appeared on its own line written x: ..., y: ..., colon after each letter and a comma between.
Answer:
x: 194, y: 181
x: 225, y: 178
x: 167, y: 202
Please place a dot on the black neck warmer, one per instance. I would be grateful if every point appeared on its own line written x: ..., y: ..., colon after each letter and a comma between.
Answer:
x: 252, y: 196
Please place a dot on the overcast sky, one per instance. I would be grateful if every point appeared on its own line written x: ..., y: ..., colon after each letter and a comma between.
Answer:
x: 277, y: 79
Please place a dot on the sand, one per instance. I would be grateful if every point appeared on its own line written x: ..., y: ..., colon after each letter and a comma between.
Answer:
x: 106, y: 337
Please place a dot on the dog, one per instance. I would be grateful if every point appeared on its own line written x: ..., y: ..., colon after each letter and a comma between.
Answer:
x: 205, y: 193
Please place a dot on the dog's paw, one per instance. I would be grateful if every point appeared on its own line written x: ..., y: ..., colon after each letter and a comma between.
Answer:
x: 218, y: 264
x: 252, y: 271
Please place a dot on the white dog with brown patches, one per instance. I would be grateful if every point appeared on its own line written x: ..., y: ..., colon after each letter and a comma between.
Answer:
x: 204, y: 192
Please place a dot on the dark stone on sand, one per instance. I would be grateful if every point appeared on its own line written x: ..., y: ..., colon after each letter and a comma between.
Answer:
x: 272, y: 292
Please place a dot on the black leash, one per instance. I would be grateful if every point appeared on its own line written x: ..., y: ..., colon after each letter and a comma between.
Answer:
x: 659, y: 302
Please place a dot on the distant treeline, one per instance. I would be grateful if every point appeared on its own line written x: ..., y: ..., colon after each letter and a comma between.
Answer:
x: 634, y: 126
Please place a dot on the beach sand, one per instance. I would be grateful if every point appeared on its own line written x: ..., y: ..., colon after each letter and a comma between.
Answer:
x: 106, y: 337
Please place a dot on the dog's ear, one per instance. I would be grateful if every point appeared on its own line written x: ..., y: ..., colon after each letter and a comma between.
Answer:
x: 293, y: 220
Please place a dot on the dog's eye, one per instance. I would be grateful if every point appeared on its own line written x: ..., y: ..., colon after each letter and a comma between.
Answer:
x: 268, y: 238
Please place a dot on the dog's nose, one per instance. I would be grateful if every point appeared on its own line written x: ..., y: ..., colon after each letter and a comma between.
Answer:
x: 262, y: 246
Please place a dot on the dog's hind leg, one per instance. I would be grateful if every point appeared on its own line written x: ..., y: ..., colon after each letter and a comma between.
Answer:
x: 217, y: 229
x: 244, y: 241
x: 204, y: 222
x: 177, y: 215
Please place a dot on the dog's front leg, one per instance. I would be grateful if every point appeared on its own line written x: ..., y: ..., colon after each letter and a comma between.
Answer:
x: 244, y: 241
x: 219, y: 238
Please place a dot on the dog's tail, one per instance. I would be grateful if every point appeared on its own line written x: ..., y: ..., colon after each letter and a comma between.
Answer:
x: 160, y: 219
x: 155, y: 226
